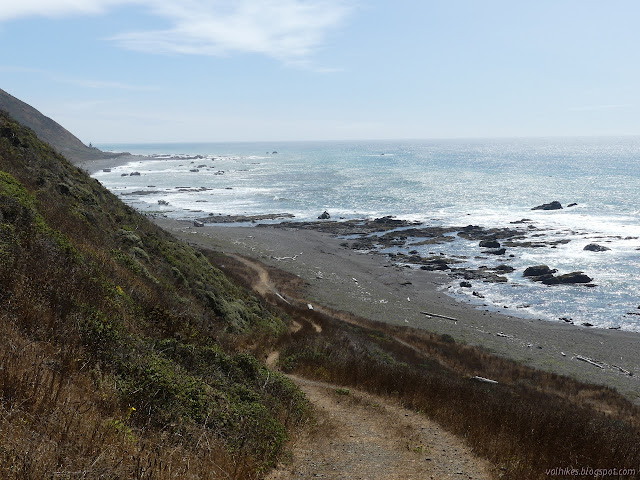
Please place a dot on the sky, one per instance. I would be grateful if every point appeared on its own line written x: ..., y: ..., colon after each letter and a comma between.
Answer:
x: 131, y: 71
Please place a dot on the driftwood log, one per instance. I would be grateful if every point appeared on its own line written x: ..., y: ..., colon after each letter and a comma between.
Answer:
x: 439, y: 316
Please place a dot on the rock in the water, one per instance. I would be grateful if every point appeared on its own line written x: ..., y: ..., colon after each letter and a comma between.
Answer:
x: 325, y: 216
x: 490, y: 244
x: 548, y: 279
x: 134, y: 174
x: 504, y: 268
x: 555, y: 205
x: 594, y: 247
x: 538, y: 270
x: 574, y: 277
x: 499, y: 251
x: 572, y: 205
x: 465, y: 284
x: 198, y: 223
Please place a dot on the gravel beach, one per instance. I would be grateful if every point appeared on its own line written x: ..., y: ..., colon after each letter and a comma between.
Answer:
x: 372, y: 286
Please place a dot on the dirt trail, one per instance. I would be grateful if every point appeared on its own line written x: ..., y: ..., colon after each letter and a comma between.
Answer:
x: 262, y: 283
x: 362, y: 436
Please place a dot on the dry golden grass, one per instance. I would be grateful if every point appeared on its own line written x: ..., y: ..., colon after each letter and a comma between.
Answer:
x: 530, y: 421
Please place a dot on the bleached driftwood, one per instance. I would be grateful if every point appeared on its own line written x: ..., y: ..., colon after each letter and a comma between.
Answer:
x: 295, y: 257
x: 439, y: 316
x: 482, y: 379
x: 626, y: 372
x: 589, y: 361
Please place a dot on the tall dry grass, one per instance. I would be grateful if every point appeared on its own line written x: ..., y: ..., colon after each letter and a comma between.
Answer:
x: 529, y: 422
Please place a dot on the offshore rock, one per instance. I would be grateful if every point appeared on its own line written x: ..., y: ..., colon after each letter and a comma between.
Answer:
x: 490, y: 244
x: 555, y: 205
x: 565, y: 279
x: 538, y: 270
x: 594, y: 247
x: 324, y: 216
x: 574, y: 277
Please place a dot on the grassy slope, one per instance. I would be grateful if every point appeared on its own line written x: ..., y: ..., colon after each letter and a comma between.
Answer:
x: 111, y: 359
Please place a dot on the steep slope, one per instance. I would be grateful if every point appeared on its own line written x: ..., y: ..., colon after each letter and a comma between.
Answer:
x: 111, y: 358
x: 48, y: 130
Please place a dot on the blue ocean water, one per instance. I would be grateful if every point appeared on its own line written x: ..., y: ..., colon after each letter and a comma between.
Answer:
x: 489, y: 183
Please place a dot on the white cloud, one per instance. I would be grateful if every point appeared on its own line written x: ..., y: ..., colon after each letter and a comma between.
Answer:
x: 289, y: 30
x: 54, y: 8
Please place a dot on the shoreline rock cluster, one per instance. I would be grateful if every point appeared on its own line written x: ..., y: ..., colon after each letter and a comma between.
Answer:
x: 546, y: 275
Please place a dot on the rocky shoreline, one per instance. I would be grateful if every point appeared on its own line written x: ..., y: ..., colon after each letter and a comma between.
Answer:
x: 380, y: 234
x: 382, y: 288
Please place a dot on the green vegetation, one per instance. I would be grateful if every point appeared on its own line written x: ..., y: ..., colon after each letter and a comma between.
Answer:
x: 528, y: 422
x: 122, y: 348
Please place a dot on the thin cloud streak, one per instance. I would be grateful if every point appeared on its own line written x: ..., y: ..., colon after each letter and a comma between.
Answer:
x: 287, y: 30
x: 57, y: 8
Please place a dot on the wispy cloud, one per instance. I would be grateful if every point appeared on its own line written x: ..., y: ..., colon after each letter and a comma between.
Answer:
x: 288, y: 30
x: 56, y: 8
x: 78, y: 81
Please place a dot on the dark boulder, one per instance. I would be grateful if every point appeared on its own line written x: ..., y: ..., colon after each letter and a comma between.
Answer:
x: 465, y: 284
x: 594, y: 247
x: 547, y: 279
x: 499, y: 251
x: 555, y: 205
x: 565, y: 279
x: 574, y: 277
x: 490, y: 244
x: 572, y: 205
x: 504, y: 268
x: 324, y: 216
x: 538, y: 270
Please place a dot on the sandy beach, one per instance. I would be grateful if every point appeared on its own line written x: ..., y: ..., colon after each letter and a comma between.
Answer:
x: 371, y: 286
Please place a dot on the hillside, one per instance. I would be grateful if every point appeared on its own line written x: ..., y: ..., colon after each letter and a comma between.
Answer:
x: 119, y: 353
x: 129, y: 354
x: 49, y: 131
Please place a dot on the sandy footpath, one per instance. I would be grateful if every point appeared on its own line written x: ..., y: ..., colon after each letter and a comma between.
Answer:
x: 363, y: 436
x: 372, y: 287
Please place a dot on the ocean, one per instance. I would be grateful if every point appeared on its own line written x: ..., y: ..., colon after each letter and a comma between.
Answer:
x: 447, y: 183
